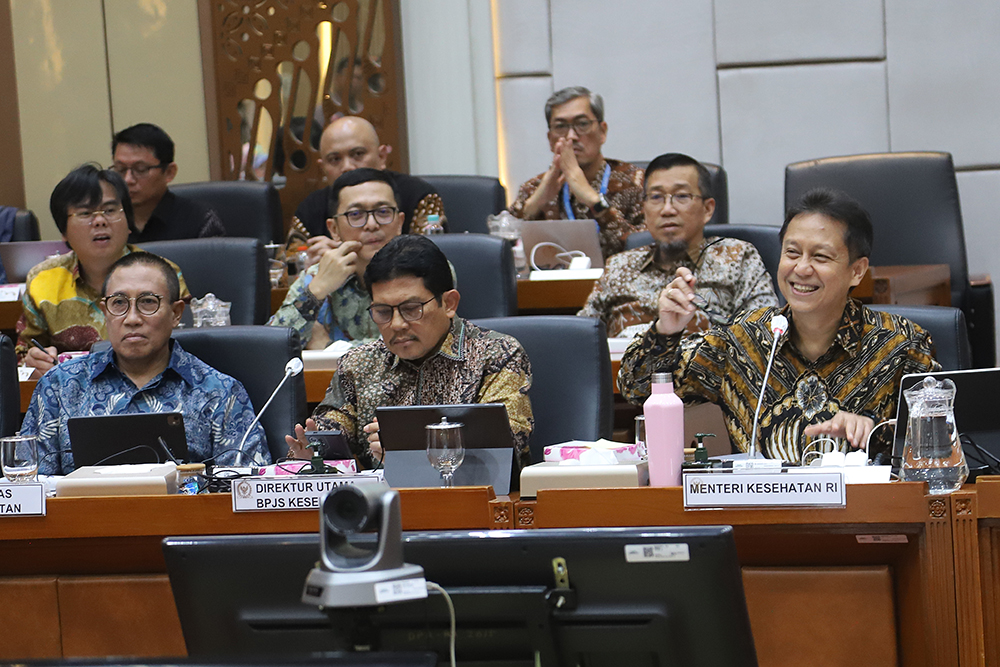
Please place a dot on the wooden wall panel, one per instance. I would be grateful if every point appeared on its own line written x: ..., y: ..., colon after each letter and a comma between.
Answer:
x: 29, y: 618
x: 11, y: 177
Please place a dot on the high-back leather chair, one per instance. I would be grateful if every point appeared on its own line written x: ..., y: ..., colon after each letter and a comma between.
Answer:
x: 484, y: 266
x: 763, y: 237
x: 571, y: 393
x: 246, y: 208
x: 720, y: 190
x: 256, y: 356
x: 947, y: 329
x: 234, y: 269
x: 25, y: 226
x: 913, y: 202
x: 10, y: 390
x: 469, y: 200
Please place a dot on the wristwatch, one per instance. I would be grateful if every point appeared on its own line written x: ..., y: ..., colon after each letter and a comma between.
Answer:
x: 601, y: 206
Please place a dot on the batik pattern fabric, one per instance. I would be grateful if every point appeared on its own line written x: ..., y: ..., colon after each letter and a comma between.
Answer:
x: 60, y: 309
x: 730, y: 277
x: 624, y: 196
x: 859, y: 373
x: 343, y: 313
x: 473, y: 365
x: 216, y: 408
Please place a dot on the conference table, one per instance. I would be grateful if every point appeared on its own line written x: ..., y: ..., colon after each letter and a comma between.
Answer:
x: 896, y: 576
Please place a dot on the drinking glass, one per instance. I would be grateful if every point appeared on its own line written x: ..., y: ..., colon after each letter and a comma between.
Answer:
x: 19, y: 458
x: 445, y: 448
x: 640, y: 435
x: 276, y: 269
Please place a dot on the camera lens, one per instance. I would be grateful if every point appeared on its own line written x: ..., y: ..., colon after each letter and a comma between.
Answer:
x: 346, y: 510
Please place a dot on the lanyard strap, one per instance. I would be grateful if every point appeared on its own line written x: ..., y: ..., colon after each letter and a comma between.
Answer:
x: 604, y: 190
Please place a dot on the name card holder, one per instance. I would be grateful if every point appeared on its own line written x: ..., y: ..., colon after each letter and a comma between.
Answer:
x: 298, y: 492
x: 22, y: 500
x: 710, y: 490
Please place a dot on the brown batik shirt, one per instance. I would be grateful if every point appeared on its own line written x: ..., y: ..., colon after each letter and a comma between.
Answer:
x: 859, y: 373
x: 731, y: 278
x: 624, y: 196
x: 473, y: 365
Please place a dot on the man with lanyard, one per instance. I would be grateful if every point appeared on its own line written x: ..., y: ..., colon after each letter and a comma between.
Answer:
x: 581, y: 183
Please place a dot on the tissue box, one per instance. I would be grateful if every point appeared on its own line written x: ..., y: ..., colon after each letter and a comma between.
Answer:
x: 599, y: 452
x: 553, y: 475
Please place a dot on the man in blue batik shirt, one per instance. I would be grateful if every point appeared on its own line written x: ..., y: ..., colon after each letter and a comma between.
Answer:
x: 144, y: 371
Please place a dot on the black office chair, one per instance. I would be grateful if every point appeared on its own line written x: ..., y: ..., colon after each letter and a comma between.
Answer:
x: 947, y: 329
x: 484, y: 266
x: 720, y: 191
x: 235, y: 270
x: 25, y: 226
x: 256, y: 356
x: 469, y: 200
x: 913, y: 202
x: 10, y: 389
x: 247, y: 209
x: 763, y: 237
x: 571, y: 393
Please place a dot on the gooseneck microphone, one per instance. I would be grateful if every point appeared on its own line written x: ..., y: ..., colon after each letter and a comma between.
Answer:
x: 293, y: 367
x: 779, y: 325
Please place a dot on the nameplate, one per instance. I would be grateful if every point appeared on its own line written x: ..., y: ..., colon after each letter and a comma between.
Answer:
x: 301, y: 492
x: 22, y: 500
x: 707, y: 490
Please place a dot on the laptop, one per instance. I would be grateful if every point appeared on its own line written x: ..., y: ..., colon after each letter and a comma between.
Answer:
x: 19, y: 257
x: 489, y: 446
x: 568, y: 235
x: 976, y: 413
x: 131, y: 438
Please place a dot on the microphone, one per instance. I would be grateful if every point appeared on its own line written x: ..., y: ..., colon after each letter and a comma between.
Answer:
x: 293, y: 367
x: 779, y: 325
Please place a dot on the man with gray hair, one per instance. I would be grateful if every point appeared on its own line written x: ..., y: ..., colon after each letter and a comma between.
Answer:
x: 581, y: 183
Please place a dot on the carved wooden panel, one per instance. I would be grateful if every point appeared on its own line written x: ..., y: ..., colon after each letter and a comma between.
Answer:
x: 968, y: 595
x: 277, y: 71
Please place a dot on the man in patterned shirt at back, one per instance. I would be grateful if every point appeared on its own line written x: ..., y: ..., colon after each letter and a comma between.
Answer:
x: 677, y: 204
x: 426, y: 355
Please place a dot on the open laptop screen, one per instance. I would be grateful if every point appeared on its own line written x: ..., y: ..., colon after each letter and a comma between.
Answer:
x: 129, y: 438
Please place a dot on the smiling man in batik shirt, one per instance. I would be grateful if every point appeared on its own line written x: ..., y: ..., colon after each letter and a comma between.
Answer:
x: 581, y: 183
x: 426, y: 356
x: 837, y: 369
x: 730, y: 274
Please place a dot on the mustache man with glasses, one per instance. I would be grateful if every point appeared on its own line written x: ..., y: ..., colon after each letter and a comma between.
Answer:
x: 426, y: 356
x: 330, y: 301
x: 581, y: 183
x: 61, y: 311
x: 144, y: 157
x: 143, y: 371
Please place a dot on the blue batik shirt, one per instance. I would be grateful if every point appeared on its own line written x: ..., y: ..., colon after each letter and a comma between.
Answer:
x: 216, y: 408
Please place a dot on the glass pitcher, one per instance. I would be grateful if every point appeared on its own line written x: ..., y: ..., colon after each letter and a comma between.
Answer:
x: 932, y: 451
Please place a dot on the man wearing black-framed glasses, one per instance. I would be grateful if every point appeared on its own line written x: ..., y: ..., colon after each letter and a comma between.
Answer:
x: 427, y: 355
x: 144, y: 371
x: 581, y: 183
x: 143, y: 156
x: 329, y: 300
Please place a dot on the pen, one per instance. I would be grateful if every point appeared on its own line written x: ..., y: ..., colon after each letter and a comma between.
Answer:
x: 34, y: 341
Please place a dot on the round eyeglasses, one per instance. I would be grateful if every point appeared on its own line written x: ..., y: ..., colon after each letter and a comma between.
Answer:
x: 409, y: 311
x: 359, y: 218
x: 119, y: 304
x: 111, y: 213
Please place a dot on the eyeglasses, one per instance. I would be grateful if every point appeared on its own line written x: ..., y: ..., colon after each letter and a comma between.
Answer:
x: 119, y: 304
x: 580, y: 125
x: 409, y: 311
x: 680, y: 200
x: 111, y: 213
x: 359, y: 218
x: 138, y: 170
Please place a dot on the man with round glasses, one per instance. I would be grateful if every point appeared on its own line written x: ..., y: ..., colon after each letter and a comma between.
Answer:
x: 143, y: 371
x: 329, y: 301
x: 426, y: 355
x: 144, y: 157
x: 581, y: 183
x: 729, y: 273
x: 61, y: 311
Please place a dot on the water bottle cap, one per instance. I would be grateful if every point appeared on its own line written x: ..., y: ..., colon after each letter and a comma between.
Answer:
x: 662, y: 378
